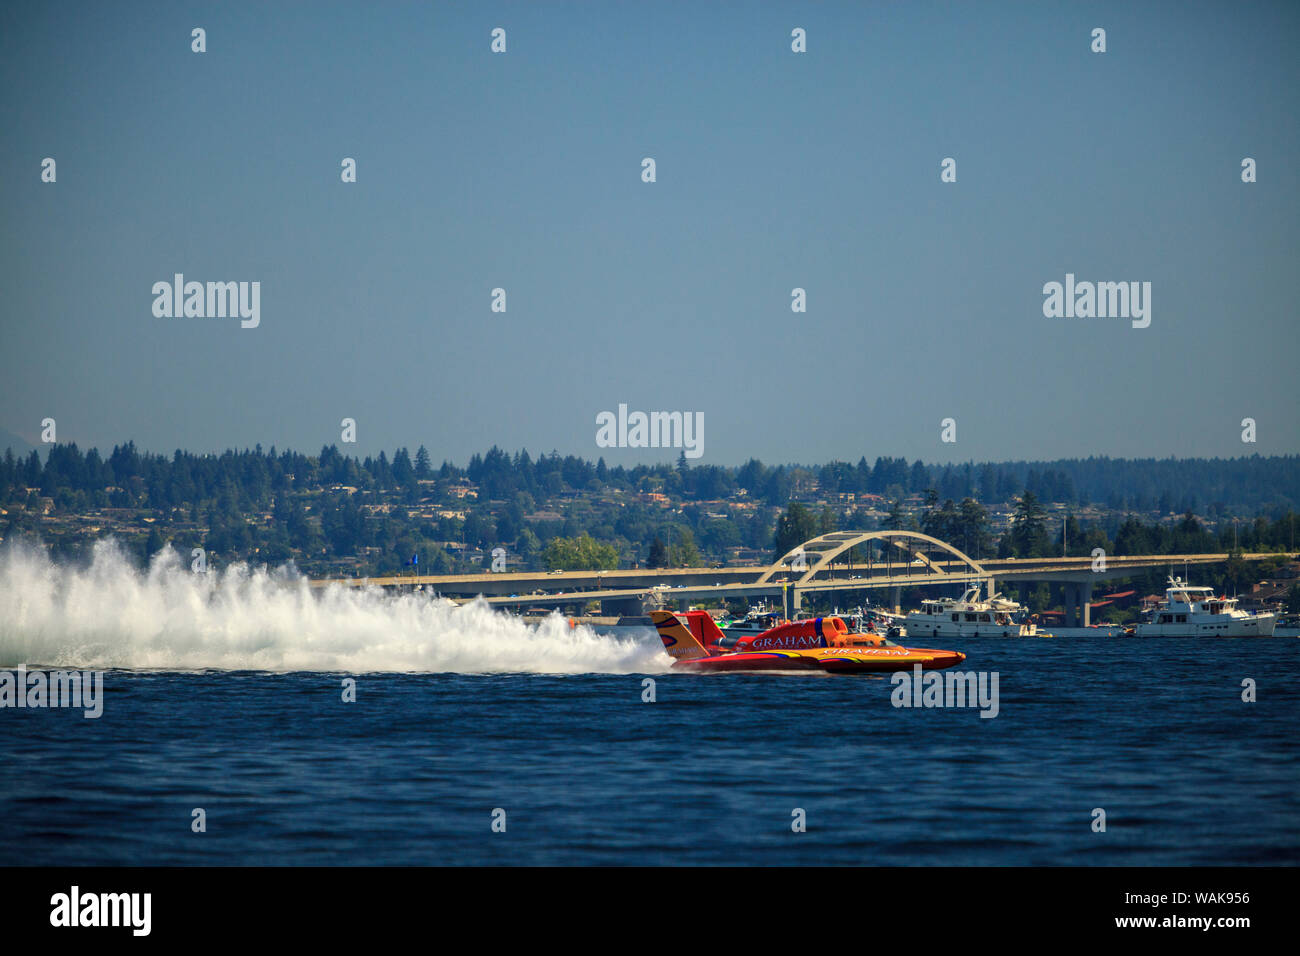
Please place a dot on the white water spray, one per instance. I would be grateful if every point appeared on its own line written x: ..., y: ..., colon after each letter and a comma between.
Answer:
x: 110, y: 614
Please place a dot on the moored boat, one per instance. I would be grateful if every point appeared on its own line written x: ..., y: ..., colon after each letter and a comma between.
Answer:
x: 971, y: 616
x: 759, y: 619
x: 1189, y: 611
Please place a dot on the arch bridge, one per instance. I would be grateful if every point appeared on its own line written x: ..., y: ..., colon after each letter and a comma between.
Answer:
x: 801, y: 566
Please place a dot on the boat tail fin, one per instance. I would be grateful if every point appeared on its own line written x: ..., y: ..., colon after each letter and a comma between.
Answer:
x: 677, y: 637
x: 704, y: 628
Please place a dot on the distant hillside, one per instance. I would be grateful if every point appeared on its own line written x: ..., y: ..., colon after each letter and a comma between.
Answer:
x: 339, y: 515
x: 1212, y: 487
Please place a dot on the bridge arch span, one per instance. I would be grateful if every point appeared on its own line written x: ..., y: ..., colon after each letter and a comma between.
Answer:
x: 819, y: 553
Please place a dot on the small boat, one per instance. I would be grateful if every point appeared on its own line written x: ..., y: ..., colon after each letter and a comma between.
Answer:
x: 872, y: 620
x: 1189, y: 611
x: 969, y: 616
x: 759, y: 619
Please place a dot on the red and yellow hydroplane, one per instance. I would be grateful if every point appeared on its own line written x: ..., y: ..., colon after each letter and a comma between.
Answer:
x: 822, y: 643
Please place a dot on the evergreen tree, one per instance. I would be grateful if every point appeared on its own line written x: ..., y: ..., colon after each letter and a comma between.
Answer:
x: 796, y: 526
x: 423, y: 466
x: 1029, y: 529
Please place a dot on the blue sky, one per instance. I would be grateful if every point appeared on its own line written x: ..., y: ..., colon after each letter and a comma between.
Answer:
x: 775, y: 170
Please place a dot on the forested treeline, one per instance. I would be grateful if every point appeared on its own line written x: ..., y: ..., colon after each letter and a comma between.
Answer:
x: 335, y: 513
x: 1245, y: 485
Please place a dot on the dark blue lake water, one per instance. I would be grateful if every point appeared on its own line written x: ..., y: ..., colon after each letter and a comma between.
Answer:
x: 1155, y: 732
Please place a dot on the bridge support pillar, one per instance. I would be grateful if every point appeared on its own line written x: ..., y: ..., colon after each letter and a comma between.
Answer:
x: 796, y: 601
x: 617, y: 607
x: 1085, y: 603
x: 896, y: 599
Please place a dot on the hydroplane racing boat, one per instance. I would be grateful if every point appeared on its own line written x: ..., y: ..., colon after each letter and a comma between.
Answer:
x: 822, y: 643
